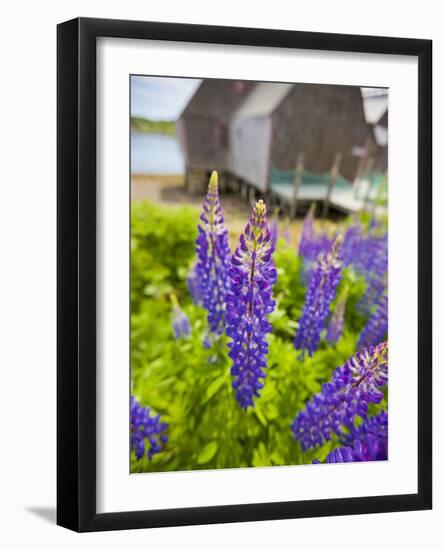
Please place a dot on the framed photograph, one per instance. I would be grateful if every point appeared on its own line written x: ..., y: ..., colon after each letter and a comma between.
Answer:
x: 244, y: 274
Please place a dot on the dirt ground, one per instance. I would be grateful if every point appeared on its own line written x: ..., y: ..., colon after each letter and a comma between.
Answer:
x: 170, y: 189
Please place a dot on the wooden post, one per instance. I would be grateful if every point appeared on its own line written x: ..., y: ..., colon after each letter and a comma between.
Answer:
x: 298, y: 177
x: 251, y: 195
x: 243, y: 189
x: 235, y: 184
x: 333, y: 175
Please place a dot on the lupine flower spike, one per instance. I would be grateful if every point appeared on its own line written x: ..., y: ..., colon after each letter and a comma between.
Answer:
x: 352, y: 244
x: 252, y: 275
x: 213, y: 256
x: 274, y: 232
x: 193, y: 286
x: 337, y: 321
x: 322, y: 286
x: 180, y: 321
x: 352, y: 388
x: 286, y: 233
x: 311, y: 245
x: 373, y: 433
x: 369, y: 256
x: 367, y: 442
x: 376, y: 328
x: 146, y: 431
x: 307, y: 234
x: 374, y: 265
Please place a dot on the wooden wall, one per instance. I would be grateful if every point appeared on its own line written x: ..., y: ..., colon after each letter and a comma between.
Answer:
x: 320, y: 121
x: 249, y: 150
x: 204, y: 124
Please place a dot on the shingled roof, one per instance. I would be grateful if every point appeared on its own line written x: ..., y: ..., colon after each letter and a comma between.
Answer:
x: 217, y: 98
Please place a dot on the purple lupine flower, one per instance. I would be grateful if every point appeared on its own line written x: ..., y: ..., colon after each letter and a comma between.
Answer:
x: 372, y: 223
x: 374, y: 265
x: 273, y: 228
x: 375, y: 254
x: 193, y: 286
x: 322, y: 286
x: 311, y: 245
x: 180, y: 322
x: 337, y: 321
x: 352, y: 242
x: 365, y: 443
x: 370, y: 253
x: 376, y: 328
x: 373, y: 428
x: 376, y: 284
x: 213, y: 256
x: 339, y: 454
x: 249, y: 302
x: 286, y: 233
x: 353, y: 386
x: 369, y: 256
x: 146, y: 431
x: 307, y: 234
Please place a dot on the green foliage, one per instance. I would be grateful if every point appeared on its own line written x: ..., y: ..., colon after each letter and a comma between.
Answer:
x: 191, y: 385
x: 162, y: 246
x: 140, y: 124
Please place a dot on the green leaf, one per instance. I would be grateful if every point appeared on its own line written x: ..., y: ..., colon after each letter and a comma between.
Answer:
x: 214, y: 387
x: 260, y: 456
x: 207, y: 453
x: 277, y: 459
x: 260, y: 416
x: 312, y: 385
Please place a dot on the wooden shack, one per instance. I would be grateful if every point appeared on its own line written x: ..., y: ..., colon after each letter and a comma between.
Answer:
x: 277, y: 122
x: 203, y: 126
x: 296, y: 142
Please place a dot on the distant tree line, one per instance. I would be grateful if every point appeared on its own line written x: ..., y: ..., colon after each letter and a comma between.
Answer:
x: 140, y: 124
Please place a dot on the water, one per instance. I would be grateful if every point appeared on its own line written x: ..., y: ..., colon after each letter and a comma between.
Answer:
x: 156, y: 154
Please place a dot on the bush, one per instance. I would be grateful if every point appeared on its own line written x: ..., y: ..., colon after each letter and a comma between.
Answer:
x: 162, y: 245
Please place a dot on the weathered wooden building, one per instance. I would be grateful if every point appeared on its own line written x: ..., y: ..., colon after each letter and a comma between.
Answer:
x: 289, y: 140
x: 277, y: 122
x: 203, y: 126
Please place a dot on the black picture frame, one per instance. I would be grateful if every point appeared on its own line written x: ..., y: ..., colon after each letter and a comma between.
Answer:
x: 76, y: 273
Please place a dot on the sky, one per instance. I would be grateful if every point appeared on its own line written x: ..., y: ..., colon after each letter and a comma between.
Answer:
x: 160, y: 98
